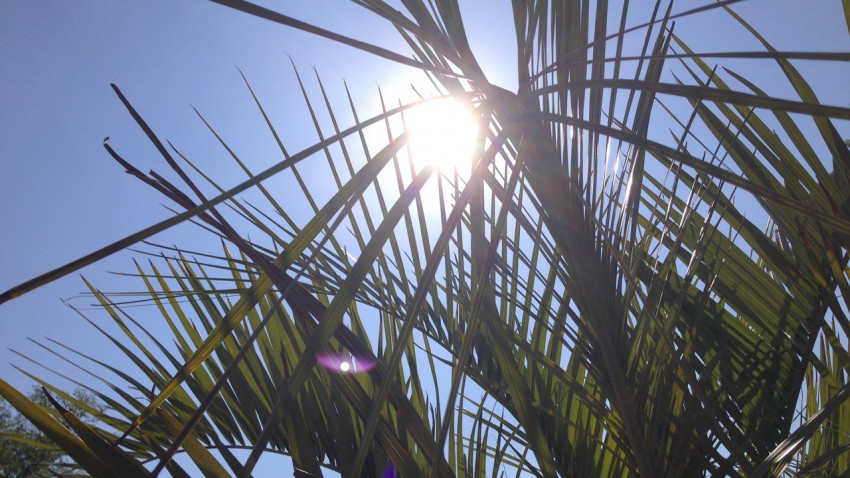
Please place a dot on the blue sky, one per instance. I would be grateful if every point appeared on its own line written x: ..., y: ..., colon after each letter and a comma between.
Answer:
x: 61, y: 196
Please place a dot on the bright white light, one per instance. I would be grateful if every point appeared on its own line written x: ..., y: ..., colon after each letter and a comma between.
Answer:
x: 442, y: 133
x: 344, y: 366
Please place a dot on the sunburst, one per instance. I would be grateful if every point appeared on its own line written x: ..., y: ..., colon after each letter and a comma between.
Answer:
x: 442, y: 134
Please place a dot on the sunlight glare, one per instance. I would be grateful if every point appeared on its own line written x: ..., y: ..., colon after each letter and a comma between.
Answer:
x: 345, y: 363
x: 442, y: 134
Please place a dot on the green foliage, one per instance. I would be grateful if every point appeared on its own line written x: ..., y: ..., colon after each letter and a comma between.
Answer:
x: 25, y: 452
x: 593, y: 298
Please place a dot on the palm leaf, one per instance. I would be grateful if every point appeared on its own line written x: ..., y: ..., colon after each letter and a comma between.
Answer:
x: 593, y: 299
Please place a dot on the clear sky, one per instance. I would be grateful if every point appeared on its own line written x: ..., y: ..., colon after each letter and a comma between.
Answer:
x: 61, y: 196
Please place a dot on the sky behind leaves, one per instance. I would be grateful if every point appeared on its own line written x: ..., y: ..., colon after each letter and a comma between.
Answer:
x: 61, y: 196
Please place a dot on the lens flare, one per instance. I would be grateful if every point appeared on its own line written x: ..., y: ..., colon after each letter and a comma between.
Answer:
x: 345, y: 363
x: 390, y: 471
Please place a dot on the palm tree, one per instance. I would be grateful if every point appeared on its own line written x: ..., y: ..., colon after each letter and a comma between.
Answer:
x: 588, y: 299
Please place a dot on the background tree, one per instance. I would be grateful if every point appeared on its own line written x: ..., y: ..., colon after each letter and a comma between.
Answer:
x: 25, y: 452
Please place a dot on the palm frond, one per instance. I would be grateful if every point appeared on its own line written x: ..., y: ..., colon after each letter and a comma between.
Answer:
x: 593, y: 298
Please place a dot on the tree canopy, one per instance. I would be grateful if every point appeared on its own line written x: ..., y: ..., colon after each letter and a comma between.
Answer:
x: 25, y: 452
x: 591, y: 294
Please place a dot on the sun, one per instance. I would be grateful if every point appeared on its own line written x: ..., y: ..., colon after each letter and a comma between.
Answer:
x: 442, y: 134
